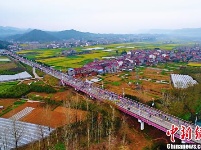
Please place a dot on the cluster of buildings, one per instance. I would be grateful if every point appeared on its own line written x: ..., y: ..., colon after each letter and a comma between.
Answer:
x: 82, y: 42
x: 135, y: 58
x: 94, y: 68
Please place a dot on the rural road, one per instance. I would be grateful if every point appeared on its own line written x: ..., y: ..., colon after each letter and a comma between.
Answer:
x: 35, y: 74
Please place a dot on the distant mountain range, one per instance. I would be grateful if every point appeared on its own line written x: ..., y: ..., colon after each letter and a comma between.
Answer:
x: 4, y: 44
x: 9, y: 31
x: 30, y: 35
x: 46, y: 36
x: 189, y: 32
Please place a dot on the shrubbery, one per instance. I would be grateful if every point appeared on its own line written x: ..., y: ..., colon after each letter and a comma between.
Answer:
x: 116, y: 83
x: 18, y: 91
x: 39, y: 88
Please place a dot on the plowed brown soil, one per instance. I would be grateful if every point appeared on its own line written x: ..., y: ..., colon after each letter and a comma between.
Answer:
x: 58, y: 96
x: 45, y: 116
x: 6, y: 102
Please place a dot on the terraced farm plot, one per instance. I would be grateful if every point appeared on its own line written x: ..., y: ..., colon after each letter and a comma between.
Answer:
x: 148, y: 80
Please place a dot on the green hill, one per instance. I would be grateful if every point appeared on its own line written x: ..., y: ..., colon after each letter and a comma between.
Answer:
x: 36, y: 35
x: 73, y: 34
x: 4, y: 44
x: 9, y: 31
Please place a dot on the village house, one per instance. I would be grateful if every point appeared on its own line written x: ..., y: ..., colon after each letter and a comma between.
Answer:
x: 134, y: 58
x: 68, y: 52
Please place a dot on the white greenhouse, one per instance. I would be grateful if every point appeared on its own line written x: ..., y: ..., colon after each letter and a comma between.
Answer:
x: 182, y: 81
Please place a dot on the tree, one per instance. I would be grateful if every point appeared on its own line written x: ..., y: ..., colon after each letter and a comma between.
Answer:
x: 17, y: 131
x: 187, y: 100
x: 4, y: 139
x: 67, y: 132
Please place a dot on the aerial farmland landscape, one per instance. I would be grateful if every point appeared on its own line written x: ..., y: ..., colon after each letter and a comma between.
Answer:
x: 110, y: 77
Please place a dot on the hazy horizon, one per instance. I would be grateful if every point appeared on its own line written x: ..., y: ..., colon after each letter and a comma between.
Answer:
x: 128, y: 16
x: 144, y: 31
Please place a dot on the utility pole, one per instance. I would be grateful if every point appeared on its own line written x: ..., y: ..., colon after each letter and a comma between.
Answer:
x: 196, y: 118
x: 137, y: 79
x: 152, y: 102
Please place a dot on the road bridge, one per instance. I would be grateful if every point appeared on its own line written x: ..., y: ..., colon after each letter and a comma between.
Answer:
x: 144, y: 113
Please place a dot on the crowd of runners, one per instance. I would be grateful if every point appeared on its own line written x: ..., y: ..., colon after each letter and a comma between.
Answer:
x: 142, y: 110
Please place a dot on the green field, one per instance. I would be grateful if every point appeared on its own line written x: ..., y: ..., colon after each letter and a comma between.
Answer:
x: 75, y: 61
x: 40, y: 53
x: 53, y: 57
x: 7, y: 65
x: 11, y: 68
x: 142, y: 45
x: 3, y: 57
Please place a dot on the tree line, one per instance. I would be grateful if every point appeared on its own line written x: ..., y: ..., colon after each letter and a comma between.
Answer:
x: 185, y: 103
x: 20, y: 90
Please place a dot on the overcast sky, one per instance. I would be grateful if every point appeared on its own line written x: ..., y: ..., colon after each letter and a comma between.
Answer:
x: 101, y: 16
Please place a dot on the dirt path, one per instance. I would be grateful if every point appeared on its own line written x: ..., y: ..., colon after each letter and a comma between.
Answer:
x: 35, y: 74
